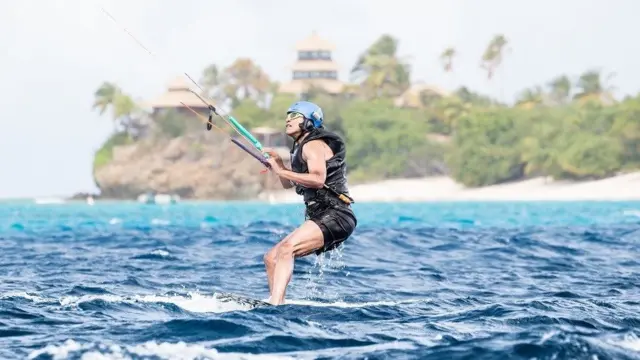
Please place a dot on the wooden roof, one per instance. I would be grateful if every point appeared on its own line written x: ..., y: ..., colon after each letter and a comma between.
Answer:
x: 314, y: 42
x: 177, y: 91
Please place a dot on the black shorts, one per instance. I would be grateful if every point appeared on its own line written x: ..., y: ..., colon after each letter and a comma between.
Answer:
x: 336, y: 222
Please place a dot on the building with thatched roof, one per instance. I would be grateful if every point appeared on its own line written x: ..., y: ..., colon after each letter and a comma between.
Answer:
x: 177, y: 92
x: 314, y: 67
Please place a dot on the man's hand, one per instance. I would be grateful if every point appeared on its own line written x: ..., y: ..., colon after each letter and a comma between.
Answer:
x: 275, y: 160
x: 276, y: 165
x: 273, y: 154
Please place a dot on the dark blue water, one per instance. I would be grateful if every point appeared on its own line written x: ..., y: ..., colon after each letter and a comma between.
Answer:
x: 418, y: 281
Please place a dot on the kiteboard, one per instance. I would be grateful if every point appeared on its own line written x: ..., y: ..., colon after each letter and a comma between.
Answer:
x: 241, y: 300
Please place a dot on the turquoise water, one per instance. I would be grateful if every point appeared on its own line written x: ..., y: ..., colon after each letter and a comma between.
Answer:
x: 416, y: 281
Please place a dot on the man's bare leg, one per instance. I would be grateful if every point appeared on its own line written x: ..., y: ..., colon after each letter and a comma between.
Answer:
x: 269, y: 265
x: 270, y: 259
x: 303, y: 241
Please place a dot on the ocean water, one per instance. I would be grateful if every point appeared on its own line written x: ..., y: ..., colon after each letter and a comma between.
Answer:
x: 416, y: 281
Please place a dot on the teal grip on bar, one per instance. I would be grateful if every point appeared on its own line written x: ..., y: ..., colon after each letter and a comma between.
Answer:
x: 247, y: 134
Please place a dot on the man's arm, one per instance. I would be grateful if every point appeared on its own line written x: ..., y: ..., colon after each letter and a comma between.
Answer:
x: 314, y: 154
x: 280, y: 164
x: 286, y: 183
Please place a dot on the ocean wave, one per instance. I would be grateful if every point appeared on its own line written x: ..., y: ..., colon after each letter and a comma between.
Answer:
x: 451, y: 281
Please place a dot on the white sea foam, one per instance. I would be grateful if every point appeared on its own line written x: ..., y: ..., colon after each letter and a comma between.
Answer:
x: 163, y: 350
x: 194, y: 301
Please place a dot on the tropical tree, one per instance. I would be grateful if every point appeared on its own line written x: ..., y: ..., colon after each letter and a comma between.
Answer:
x: 104, y: 98
x: 211, y: 81
x: 446, y: 58
x: 380, y: 71
x: 560, y: 90
x: 532, y: 97
x: 444, y: 111
x: 593, y: 88
x: 473, y: 98
x: 245, y: 80
x: 626, y: 127
x: 123, y: 108
x: 493, y: 55
x: 126, y: 111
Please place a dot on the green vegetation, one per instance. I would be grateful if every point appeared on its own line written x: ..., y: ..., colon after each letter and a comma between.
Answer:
x: 105, y: 153
x: 565, y: 130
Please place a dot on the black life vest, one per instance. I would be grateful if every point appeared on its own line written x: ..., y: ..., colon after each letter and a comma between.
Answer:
x: 336, y: 165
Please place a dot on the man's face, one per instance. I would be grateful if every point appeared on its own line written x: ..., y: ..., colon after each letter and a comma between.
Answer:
x: 294, y: 121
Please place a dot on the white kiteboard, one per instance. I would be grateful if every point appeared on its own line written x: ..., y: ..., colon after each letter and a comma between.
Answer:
x: 241, y: 300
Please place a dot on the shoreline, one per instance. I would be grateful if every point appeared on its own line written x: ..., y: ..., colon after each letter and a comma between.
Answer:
x: 625, y: 187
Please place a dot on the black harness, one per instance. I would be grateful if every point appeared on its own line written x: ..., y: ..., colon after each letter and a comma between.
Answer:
x: 334, y: 194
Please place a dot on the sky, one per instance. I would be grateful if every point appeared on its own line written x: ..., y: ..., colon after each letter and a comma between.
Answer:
x: 55, y: 53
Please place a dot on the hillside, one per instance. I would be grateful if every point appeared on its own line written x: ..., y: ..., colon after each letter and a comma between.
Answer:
x: 194, y: 166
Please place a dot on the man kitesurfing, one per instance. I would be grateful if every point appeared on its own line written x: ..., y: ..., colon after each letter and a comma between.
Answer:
x: 318, y: 172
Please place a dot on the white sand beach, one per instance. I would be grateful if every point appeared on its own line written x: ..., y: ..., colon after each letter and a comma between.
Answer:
x: 618, y: 188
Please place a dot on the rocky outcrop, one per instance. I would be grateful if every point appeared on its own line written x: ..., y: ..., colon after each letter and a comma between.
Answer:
x: 203, y: 166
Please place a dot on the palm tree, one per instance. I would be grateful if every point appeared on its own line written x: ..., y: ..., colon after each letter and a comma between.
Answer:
x: 447, y: 109
x: 103, y: 96
x: 447, y: 59
x: 125, y: 111
x: 531, y: 98
x: 123, y: 108
x: 493, y: 55
x: 560, y: 89
x: 593, y: 87
x: 386, y: 45
x: 380, y: 71
x: 104, y: 99
x: 473, y: 98
x: 387, y: 77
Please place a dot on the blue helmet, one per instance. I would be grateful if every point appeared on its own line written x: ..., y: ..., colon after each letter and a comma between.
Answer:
x: 311, y: 112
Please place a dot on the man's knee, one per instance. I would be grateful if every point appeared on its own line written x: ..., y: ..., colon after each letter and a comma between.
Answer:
x: 270, y: 257
x: 286, y: 249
